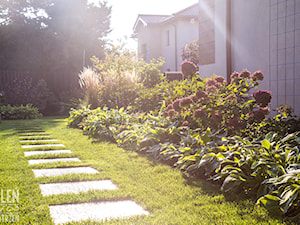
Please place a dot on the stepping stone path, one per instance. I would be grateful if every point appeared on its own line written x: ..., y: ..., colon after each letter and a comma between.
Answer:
x: 32, y: 139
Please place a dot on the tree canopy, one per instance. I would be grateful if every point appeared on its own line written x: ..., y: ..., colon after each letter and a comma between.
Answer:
x: 51, y: 35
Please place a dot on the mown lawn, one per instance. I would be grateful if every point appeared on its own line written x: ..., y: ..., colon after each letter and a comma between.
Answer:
x: 163, y: 191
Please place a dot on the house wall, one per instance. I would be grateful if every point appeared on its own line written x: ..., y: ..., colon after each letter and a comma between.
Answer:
x: 270, y: 42
x: 285, y: 53
x: 216, y: 13
x: 168, y: 47
x: 265, y: 35
x: 180, y: 33
x: 250, y: 37
x: 187, y: 32
x: 149, y: 37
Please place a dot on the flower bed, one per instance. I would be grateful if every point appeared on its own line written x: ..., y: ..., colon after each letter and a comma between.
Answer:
x: 217, y: 132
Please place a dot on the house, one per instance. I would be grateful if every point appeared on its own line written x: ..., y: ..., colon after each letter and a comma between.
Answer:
x: 233, y: 35
x: 256, y: 35
x: 166, y: 35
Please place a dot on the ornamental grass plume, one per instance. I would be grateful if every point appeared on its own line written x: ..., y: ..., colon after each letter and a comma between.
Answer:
x: 257, y: 75
x: 262, y: 98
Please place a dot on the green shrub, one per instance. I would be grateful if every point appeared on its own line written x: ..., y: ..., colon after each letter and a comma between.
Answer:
x: 9, y: 112
x: 149, y: 74
x: 76, y: 116
x: 152, y: 99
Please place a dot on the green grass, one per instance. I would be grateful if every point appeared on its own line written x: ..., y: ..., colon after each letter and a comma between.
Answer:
x: 163, y: 191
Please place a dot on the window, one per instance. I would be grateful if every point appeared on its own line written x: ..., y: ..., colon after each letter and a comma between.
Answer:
x: 144, y: 52
x: 168, y: 38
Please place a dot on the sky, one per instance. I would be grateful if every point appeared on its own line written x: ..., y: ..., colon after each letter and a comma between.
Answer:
x: 125, y: 13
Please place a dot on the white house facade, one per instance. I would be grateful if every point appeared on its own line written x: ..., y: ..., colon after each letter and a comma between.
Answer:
x: 255, y: 35
x: 233, y: 35
x: 166, y: 35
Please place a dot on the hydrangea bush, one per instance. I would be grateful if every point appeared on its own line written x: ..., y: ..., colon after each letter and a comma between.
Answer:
x: 216, y: 105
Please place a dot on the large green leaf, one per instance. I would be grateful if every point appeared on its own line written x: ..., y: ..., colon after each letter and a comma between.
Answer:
x: 266, y: 144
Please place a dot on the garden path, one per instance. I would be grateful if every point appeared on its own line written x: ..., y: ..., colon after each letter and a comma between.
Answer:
x: 37, y: 143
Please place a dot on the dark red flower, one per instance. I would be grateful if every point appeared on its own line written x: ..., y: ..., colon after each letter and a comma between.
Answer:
x: 233, y: 122
x: 258, y: 75
x: 176, y: 104
x: 165, y: 113
x: 210, y: 82
x: 186, y: 101
x: 188, y: 69
x: 218, y: 85
x: 211, y: 89
x: 200, y: 113
x: 265, y: 110
x: 172, y: 113
x: 185, y: 123
x: 217, y: 117
x: 244, y: 74
x: 262, y: 98
x: 234, y: 75
x: 257, y: 115
x: 220, y: 79
x: 201, y: 94
x: 170, y: 106
x: 195, y: 98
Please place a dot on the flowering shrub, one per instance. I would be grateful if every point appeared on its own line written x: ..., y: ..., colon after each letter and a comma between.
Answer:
x: 220, y: 106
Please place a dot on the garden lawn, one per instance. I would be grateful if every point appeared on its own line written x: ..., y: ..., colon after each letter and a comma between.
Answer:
x: 163, y: 191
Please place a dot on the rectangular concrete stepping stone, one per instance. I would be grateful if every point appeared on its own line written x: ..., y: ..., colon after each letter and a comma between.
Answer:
x: 26, y: 134
x: 95, y: 211
x: 40, y: 161
x: 36, y: 136
x: 43, y: 145
x: 53, y: 172
x: 41, y: 140
x: 76, y: 187
x: 30, y: 153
